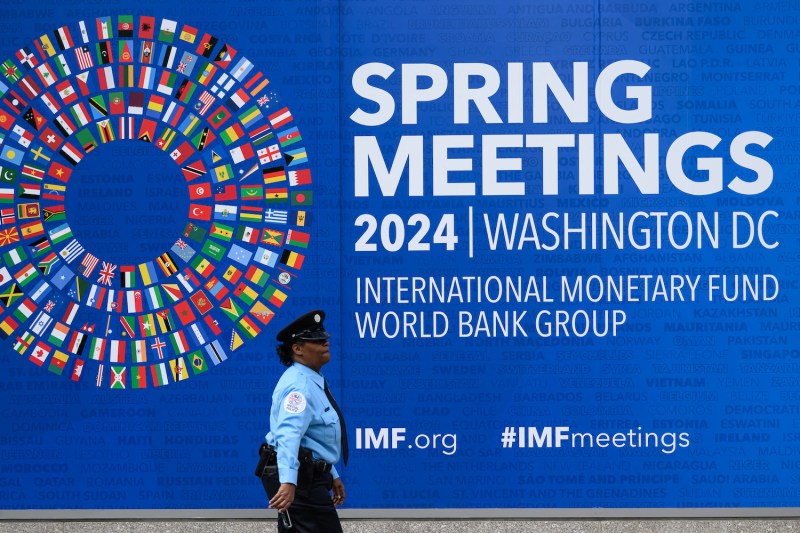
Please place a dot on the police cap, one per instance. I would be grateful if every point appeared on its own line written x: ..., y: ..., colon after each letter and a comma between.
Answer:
x: 306, y: 327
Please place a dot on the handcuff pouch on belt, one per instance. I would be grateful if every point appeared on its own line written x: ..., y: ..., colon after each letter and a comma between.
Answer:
x: 268, y: 459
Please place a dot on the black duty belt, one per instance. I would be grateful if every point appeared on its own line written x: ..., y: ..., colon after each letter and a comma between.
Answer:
x: 304, y: 457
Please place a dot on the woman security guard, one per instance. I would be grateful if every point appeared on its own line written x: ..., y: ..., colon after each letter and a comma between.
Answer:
x: 307, y: 434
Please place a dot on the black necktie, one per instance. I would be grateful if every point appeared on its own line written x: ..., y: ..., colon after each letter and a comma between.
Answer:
x: 341, y: 421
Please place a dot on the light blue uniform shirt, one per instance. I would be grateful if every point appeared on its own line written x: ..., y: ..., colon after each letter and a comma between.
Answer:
x: 301, y: 415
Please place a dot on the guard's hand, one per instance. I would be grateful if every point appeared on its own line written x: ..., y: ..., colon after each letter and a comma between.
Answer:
x: 283, y: 498
x: 338, y: 491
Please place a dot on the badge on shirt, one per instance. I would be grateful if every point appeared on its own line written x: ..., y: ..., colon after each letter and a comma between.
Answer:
x: 294, y: 403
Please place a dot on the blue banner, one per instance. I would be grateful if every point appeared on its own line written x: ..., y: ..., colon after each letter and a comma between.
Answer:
x: 556, y: 244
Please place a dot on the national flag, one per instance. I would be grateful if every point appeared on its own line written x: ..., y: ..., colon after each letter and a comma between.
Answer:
x: 201, y: 302
x: 232, y: 275
x: 154, y: 298
x: 104, y: 53
x: 172, y: 291
x: 34, y: 118
x: 63, y: 38
x: 105, y: 77
x: 13, y: 257
x: 221, y: 232
x: 71, y: 154
x: 223, y: 173
x: 274, y: 175
x: 106, y: 131
x: 26, y: 58
x: 167, y: 31
x: 31, y: 229
x: 289, y: 136
x: 139, y: 351
x: 167, y: 56
x: 231, y: 309
x: 70, y: 312
x: 185, y: 91
x: 8, y: 236
x: 292, y: 259
x: 64, y: 70
x: 280, y: 118
x: 251, y: 117
x: 257, y: 82
x: 199, y: 212
x: 29, y: 87
x: 245, y: 293
x: 128, y: 324
x: 262, y: 313
x: 178, y: 369
x: 97, y: 348
x: 29, y: 190
x: 247, y: 234
x: 46, y: 74
x: 147, y: 27
x: 215, y: 352
x: 275, y: 296
x: 295, y: 157
x: 53, y: 213
x: 241, y: 153
x: 77, y: 370
x: 125, y: 26
x: 147, y: 132
x: 80, y: 114
x: 167, y: 82
x: 276, y: 194
x: 126, y: 77
x: 206, y: 45
x: 116, y: 351
x: 59, y: 171
x: 159, y: 374
x: 266, y: 257
x: 116, y: 103
x: 165, y: 139
x: 155, y: 106
x: 138, y: 377
x: 40, y: 353
x: 147, y: 325
x: 133, y: 301
x: 45, y: 265
x: 10, y: 294
x: 72, y: 251
x: 107, y: 273
x: 205, y: 73
x: 98, y: 107
x: 77, y: 342
x: 188, y: 280
x: 26, y: 274
x: 225, y: 56
x: 127, y: 276
x: 297, y: 238
x: 11, y: 72
x: 276, y: 216
x: 219, y: 116
x: 84, y: 57
x: 64, y: 125
x: 302, y: 198
x: 188, y: 34
x: 7, y: 328
x: 249, y: 328
x: 25, y: 310
x: 202, y: 266
x: 147, y: 77
x: 184, y: 312
x: 59, y: 334
x: 21, y: 136
x: 198, y: 362
x: 103, y: 25
x: 256, y: 275
x: 182, y: 153
x: 216, y: 288
x: 165, y: 321
x: 268, y: 154
x: 58, y: 362
x: 119, y: 377
x: 299, y: 177
x: 167, y: 264
x: 127, y: 128
x: 66, y: 91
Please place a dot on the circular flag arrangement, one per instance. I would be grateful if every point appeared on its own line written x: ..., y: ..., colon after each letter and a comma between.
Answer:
x: 249, y: 187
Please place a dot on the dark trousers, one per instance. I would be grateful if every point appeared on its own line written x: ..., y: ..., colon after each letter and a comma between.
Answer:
x: 310, y: 513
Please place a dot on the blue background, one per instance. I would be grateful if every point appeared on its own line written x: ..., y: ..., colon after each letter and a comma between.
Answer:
x: 719, y: 67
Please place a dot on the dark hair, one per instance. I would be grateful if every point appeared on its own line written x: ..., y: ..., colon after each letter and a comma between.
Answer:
x: 285, y: 353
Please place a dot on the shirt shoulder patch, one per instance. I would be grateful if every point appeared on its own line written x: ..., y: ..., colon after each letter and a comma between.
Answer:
x: 294, y: 403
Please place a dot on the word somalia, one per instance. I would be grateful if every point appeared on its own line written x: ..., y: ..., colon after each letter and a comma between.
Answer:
x: 619, y: 96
